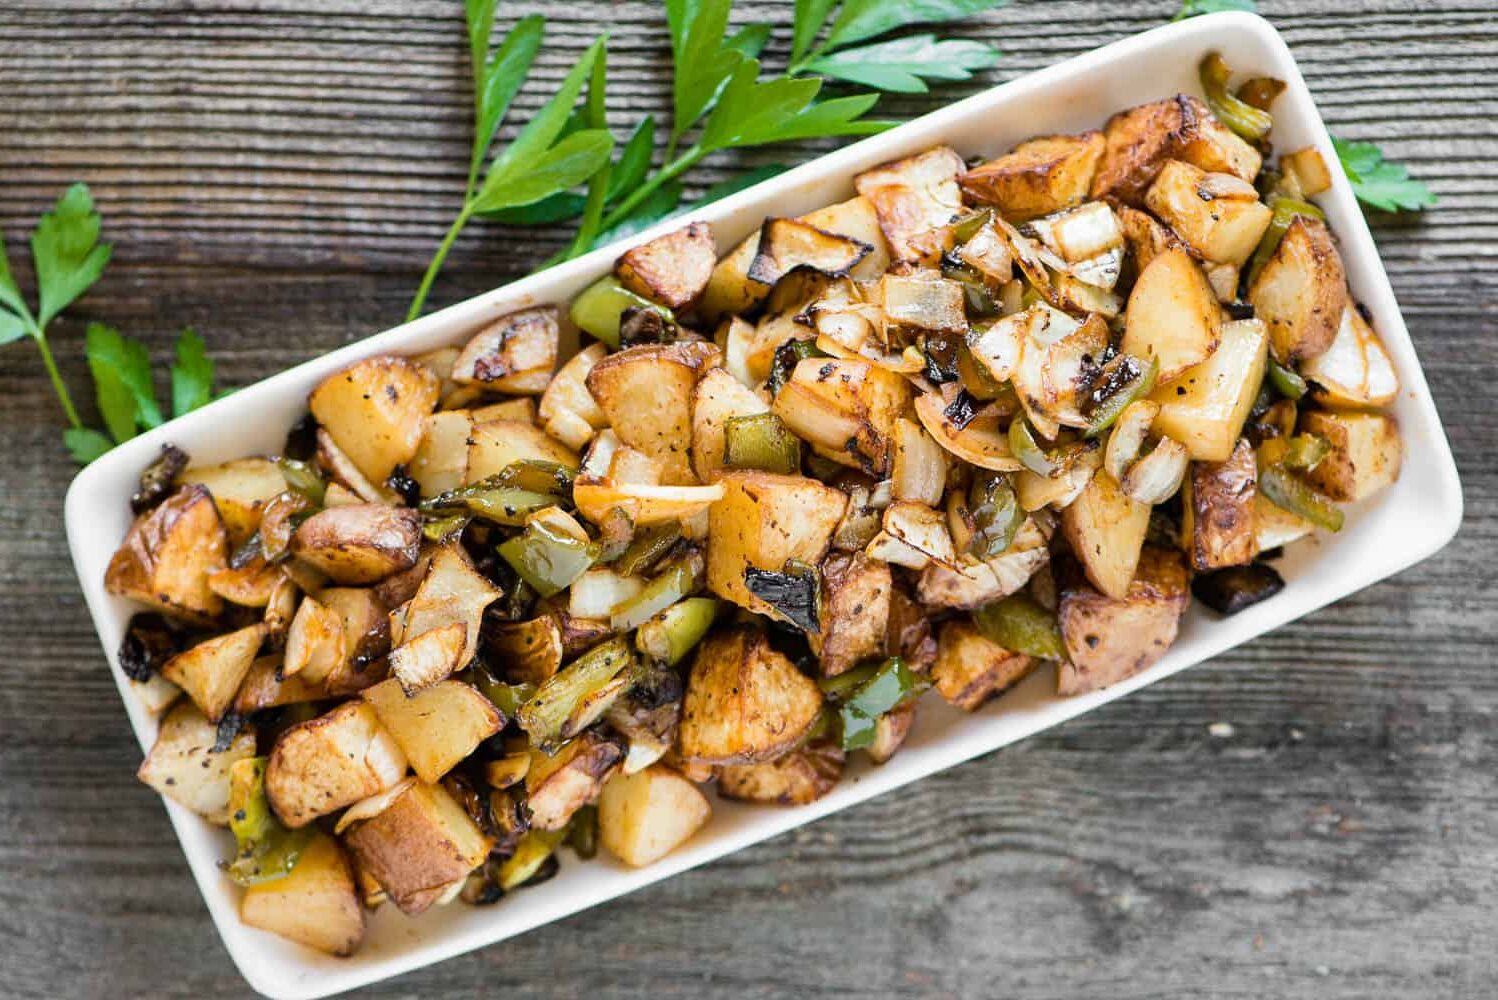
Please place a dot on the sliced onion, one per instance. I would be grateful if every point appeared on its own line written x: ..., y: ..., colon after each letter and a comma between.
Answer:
x: 1128, y: 436
x: 599, y: 591
x: 920, y: 465
x: 1156, y: 477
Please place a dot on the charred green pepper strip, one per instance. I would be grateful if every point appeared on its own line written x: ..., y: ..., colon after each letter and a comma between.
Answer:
x: 506, y: 697
x: 761, y: 441
x: 1287, y: 491
x: 537, y: 476
x: 647, y: 548
x: 304, y: 477
x: 997, y: 514
x: 547, y: 559
x: 1286, y: 211
x: 1020, y: 624
x: 492, y: 501
x: 681, y: 577
x: 840, y: 687
x: 266, y: 849
x: 673, y: 633
x: 1247, y: 121
x: 967, y: 227
x: 1106, y: 413
x: 1029, y: 452
x: 553, y: 703
x: 582, y: 832
x: 530, y: 854
x: 598, y: 310
x: 892, y: 685
x: 1286, y: 381
x: 440, y: 529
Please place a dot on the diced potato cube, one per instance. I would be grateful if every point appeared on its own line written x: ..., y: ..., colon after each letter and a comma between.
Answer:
x: 1218, y: 215
x: 316, y: 904
x: 183, y: 766
x: 1301, y: 293
x: 1365, y: 457
x: 1040, y: 176
x: 762, y: 521
x: 1110, y: 639
x: 373, y: 410
x: 970, y: 669
x: 418, y: 846
x: 672, y: 269
x: 1219, y: 525
x: 644, y: 816
x: 169, y: 553
x: 1206, y: 407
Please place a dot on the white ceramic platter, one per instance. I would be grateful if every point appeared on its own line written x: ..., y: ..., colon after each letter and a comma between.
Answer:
x: 1398, y: 528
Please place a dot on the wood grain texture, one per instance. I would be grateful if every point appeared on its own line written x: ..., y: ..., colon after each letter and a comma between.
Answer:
x: 276, y: 174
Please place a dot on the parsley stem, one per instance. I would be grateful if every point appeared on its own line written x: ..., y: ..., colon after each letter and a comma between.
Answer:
x: 57, y: 383
x: 436, y: 265
x: 669, y: 172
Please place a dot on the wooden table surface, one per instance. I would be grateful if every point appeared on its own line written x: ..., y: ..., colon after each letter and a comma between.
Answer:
x: 276, y: 173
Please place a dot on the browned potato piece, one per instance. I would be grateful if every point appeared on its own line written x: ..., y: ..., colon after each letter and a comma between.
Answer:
x: 762, y: 520
x: 1106, y: 530
x: 441, y: 459
x: 1146, y: 237
x: 1141, y: 139
x: 1173, y: 315
x: 847, y: 410
x: 1206, y: 407
x: 514, y: 354
x: 916, y: 199
x: 169, y: 553
x: 1108, y: 639
x: 452, y: 591
x: 1218, y: 215
x: 786, y: 244
x: 646, y: 392
x: 1039, y: 176
x: 329, y: 762
x: 316, y: 904
x: 855, y: 611
x: 799, y: 777
x: 373, y: 411
x: 418, y: 846
x: 1301, y: 292
x: 717, y: 398
x: 568, y: 410
x: 427, y: 657
x: 530, y: 651
x: 644, y: 816
x: 521, y: 409
x: 1356, y: 370
x: 971, y: 669
x: 1365, y: 456
x: 745, y: 702
x: 266, y: 687
x: 435, y: 728
x: 211, y: 671
x: 359, y: 543
x: 1218, y: 525
x: 494, y: 445
x: 556, y: 787
x: 672, y: 269
x: 250, y: 586
x: 240, y: 489
x: 183, y: 766
x: 890, y: 731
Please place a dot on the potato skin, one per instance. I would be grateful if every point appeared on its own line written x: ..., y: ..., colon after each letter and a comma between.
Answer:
x: 672, y: 269
x: 915, y: 199
x: 329, y: 762
x: 1038, y: 177
x: 1219, y: 527
x: 373, y: 410
x: 557, y: 789
x: 166, y: 558
x: 855, y: 611
x: 515, y: 354
x: 745, y: 703
x: 1141, y: 139
x: 970, y: 668
x: 360, y: 543
x: 1109, y: 640
x: 1301, y: 292
x: 1366, y: 453
x: 419, y: 845
x: 795, y: 779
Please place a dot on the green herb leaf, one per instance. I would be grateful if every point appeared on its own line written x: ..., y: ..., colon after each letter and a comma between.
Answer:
x: 701, y: 59
x: 12, y: 327
x: 634, y: 159
x: 85, y: 444
x: 192, y: 374
x: 809, y: 18
x: 67, y: 252
x: 598, y: 180
x: 121, y: 368
x: 750, y: 40
x: 10, y: 292
x: 560, y: 207
x: 1377, y: 182
x: 900, y: 64
x: 565, y: 165
x: 861, y: 19
x: 1191, y: 8
x: 496, y: 81
x: 751, y: 113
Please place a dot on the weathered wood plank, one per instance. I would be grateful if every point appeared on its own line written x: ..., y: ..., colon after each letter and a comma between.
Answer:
x: 276, y: 174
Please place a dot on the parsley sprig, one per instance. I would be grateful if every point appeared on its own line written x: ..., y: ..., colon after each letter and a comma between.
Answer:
x: 902, y: 65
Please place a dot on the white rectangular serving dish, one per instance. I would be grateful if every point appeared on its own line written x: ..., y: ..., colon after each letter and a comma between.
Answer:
x: 1398, y: 528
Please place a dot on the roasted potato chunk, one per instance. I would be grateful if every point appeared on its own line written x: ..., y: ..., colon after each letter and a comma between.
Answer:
x: 1110, y: 639
x: 240, y: 489
x: 1145, y: 236
x: 183, y: 765
x: 514, y: 354
x: 1301, y: 293
x: 795, y: 779
x: 1141, y: 139
x: 646, y: 392
x: 763, y: 520
x: 495, y: 445
x: 1218, y: 524
x: 855, y: 611
x: 418, y: 846
x: 1173, y: 315
x: 788, y: 244
x: 169, y: 553
x: 436, y: 727
x: 373, y: 411
x: 1365, y: 456
x: 211, y: 671
x: 359, y: 543
x: 265, y: 686
x: 316, y: 904
x: 672, y: 269
x: 1356, y: 370
x: 642, y: 817
x: 556, y: 787
x: 1106, y: 531
x: 717, y: 398
x: 568, y: 410
x: 452, y: 592
x: 916, y: 199
x: 1039, y: 176
x: 890, y: 731
x: 441, y: 459
x: 1206, y: 407
x: 970, y: 669
x: 745, y: 702
x: 1218, y: 215
x: 329, y: 762
x: 847, y: 410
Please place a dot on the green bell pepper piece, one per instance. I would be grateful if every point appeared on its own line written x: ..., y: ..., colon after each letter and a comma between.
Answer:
x: 1287, y: 491
x: 547, y: 559
x: 672, y: 634
x: 548, y: 710
x: 266, y: 850
x: 600, y: 307
x: 761, y: 441
x: 1020, y: 624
